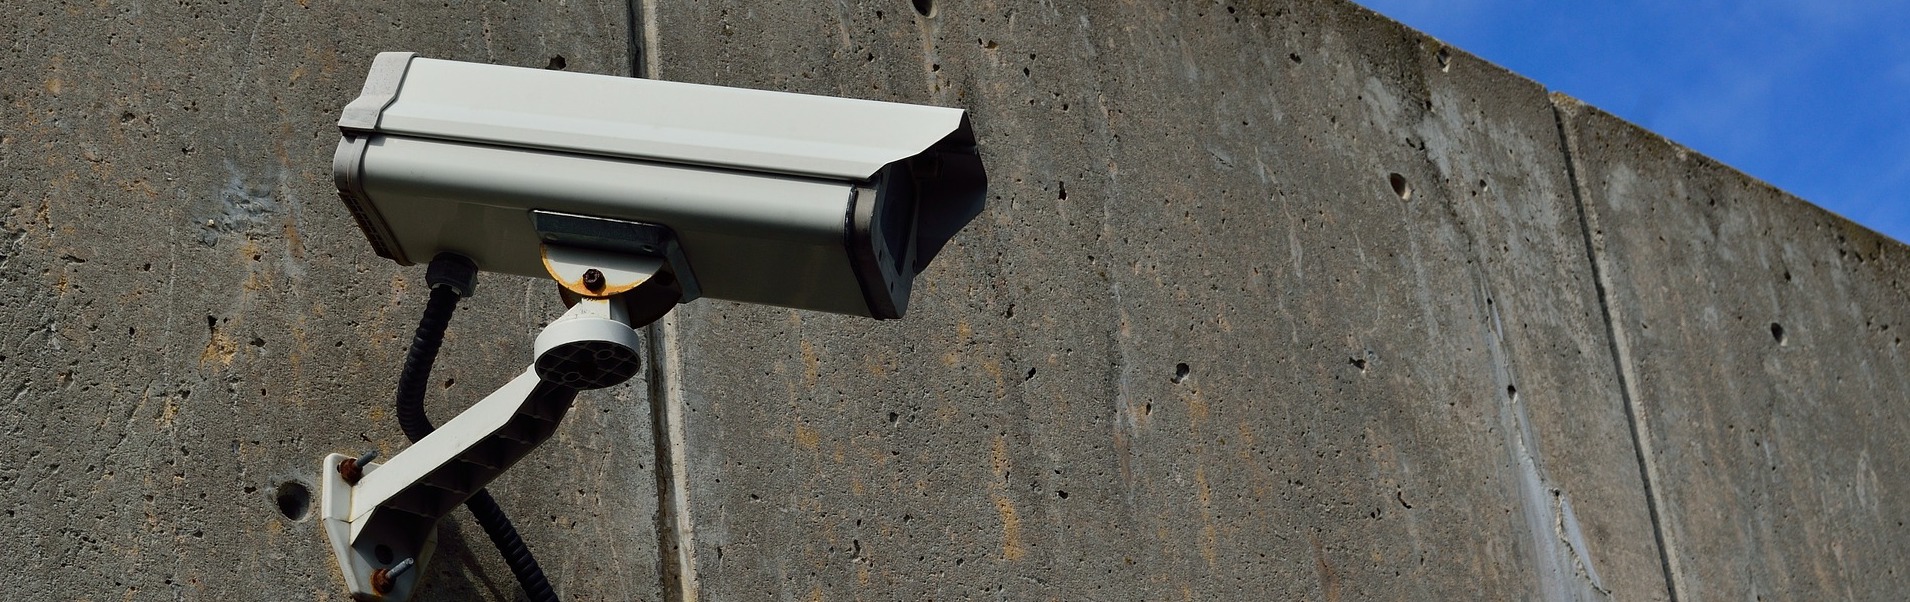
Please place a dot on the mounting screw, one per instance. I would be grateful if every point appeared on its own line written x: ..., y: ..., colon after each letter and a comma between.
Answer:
x: 593, y: 280
x: 353, y: 469
x: 383, y: 579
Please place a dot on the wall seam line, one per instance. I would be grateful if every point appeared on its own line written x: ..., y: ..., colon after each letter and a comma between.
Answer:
x: 676, y: 541
x: 643, y: 35
x: 635, y: 45
x: 1621, y: 355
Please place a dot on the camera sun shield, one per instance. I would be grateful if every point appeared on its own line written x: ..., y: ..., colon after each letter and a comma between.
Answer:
x: 793, y: 200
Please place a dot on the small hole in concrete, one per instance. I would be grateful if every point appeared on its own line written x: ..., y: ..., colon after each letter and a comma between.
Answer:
x: 1777, y: 333
x: 557, y: 63
x: 1400, y: 187
x: 925, y: 8
x: 1180, y: 372
x: 294, y: 500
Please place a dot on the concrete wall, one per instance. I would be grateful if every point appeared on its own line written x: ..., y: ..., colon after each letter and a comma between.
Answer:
x: 1272, y: 300
x: 1761, y: 340
x: 192, y: 320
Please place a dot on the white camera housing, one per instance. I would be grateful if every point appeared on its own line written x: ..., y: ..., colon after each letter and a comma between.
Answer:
x: 793, y: 200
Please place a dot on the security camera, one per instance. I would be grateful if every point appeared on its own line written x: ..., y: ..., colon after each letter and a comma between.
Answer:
x: 800, y: 201
x: 634, y: 196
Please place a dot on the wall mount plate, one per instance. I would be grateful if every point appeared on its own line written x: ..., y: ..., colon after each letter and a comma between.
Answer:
x: 358, y: 563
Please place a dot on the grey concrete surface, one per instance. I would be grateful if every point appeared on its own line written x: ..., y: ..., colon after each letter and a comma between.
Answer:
x: 1762, y: 338
x: 192, y: 320
x: 1198, y: 347
x: 1272, y: 300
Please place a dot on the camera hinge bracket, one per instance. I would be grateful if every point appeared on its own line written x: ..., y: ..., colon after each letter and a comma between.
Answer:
x: 382, y: 518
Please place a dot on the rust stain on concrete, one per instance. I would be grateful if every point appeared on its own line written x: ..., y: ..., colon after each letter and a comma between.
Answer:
x: 1011, y: 546
x: 807, y: 438
x: 1329, y: 577
x: 811, y: 365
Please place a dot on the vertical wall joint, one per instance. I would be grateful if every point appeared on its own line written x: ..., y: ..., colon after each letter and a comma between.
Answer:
x: 1635, y: 416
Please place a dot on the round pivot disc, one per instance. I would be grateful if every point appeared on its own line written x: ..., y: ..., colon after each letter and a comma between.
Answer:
x: 589, y: 364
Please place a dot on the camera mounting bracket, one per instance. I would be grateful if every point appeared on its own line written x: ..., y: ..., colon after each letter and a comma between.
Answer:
x: 382, y: 519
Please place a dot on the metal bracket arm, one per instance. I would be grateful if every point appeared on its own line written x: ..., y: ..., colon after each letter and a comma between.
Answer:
x: 382, y: 519
x: 392, y: 513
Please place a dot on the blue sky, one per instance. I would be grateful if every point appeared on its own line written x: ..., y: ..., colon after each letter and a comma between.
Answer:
x: 1812, y: 96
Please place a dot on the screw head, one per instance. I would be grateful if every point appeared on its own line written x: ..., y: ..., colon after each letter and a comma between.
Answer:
x: 593, y: 280
x: 383, y: 580
x: 353, y: 469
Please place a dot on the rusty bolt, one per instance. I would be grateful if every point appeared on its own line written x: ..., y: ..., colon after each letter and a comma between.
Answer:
x: 382, y: 580
x: 353, y: 469
x: 593, y: 280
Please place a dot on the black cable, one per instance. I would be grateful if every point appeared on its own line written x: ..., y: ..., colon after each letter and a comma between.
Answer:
x: 416, y: 374
x: 453, y: 277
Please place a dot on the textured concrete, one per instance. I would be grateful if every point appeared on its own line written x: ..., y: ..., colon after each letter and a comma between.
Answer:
x: 192, y: 321
x: 1762, y: 338
x: 1273, y: 300
x: 1197, y: 348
